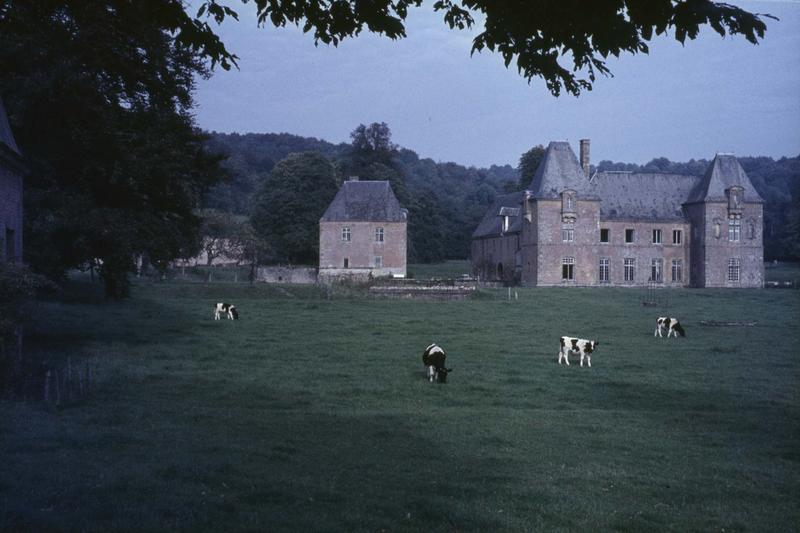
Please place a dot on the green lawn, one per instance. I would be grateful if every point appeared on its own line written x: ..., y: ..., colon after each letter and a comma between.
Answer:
x: 311, y: 414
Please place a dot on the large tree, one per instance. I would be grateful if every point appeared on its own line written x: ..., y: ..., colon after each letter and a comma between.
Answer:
x: 99, y: 95
x: 528, y: 163
x: 564, y: 42
x: 289, y: 204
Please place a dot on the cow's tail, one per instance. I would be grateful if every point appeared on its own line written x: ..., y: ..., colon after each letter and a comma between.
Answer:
x: 679, y: 329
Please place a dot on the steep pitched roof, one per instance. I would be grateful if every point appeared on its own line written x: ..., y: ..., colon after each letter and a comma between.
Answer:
x: 364, y: 201
x: 506, y: 205
x: 642, y: 196
x: 723, y: 173
x: 5, y: 130
x: 559, y: 171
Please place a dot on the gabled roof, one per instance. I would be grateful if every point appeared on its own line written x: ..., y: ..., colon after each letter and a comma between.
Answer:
x: 642, y: 196
x: 6, y: 136
x: 365, y: 201
x: 559, y: 171
x: 723, y: 173
x: 506, y: 205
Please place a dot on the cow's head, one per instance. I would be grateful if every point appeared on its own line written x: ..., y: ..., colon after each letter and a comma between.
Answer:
x: 592, y: 346
x: 441, y: 374
x: 234, y: 313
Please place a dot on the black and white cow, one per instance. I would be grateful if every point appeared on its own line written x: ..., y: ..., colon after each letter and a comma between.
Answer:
x: 225, y: 309
x: 433, y: 359
x: 672, y: 326
x: 570, y: 345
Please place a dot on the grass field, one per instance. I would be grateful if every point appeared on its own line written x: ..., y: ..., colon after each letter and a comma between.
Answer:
x: 311, y: 414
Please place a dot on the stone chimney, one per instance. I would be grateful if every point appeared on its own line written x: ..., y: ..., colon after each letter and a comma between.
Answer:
x: 585, y: 155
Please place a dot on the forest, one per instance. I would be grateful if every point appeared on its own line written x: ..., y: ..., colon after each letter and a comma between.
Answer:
x: 446, y: 200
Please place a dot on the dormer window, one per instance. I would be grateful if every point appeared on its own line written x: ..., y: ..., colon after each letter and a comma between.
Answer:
x: 735, y: 198
x: 568, y: 205
x: 505, y: 224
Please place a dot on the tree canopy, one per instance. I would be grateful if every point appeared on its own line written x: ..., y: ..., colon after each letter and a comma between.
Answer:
x: 99, y: 95
x: 564, y: 42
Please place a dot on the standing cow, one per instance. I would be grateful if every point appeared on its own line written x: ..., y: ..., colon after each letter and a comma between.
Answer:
x: 672, y: 326
x: 433, y: 359
x: 225, y: 309
x: 579, y: 346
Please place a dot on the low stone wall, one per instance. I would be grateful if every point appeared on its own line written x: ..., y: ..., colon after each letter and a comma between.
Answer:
x: 423, y: 292
x: 287, y: 274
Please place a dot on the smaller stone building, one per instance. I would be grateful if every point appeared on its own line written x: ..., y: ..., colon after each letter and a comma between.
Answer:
x: 11, y: 172
x: 363, y: 232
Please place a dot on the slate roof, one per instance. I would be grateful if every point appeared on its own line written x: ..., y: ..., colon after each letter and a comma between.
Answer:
x: 5, y: 130
x: 365, y: 201
x: 642, y: 196
x: 723, y: 173
x: 559, y: 171
x: 492, y: 223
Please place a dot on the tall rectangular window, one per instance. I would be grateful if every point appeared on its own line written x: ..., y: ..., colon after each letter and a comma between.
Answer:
x: 629, y: 269
x: 568, y: 269
x: 656, y: 236
x: 605, y: 235
x: 346, y: 262
x: 656, y: 267
x: 567, y: 234
x: 733, y: 270
x: 677, y: 236
x: 378, y: 262
x: 734, y: 230
x: 378, y: 234
x: 677, y: 270
x: 629, y: 235
x: 346, y: 234
x: 604, y: 278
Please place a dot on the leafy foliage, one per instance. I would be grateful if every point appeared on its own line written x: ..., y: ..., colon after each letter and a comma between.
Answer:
x: 289, y: 204
x: 99, y: 95
x: 528, y: 163
x: 564, y: 42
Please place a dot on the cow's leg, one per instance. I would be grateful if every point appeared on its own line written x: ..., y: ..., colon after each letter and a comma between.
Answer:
x: 670, y: 332
x: 582, y: 356
x: 431, y: 373
x: 589, y: 360
x: 655, y: 333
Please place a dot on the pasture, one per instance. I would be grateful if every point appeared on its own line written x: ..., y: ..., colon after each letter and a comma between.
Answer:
x: 311, y: 414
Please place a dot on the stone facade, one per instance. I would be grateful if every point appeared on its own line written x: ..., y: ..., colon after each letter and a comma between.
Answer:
x: 363, y: 232
x: 624, y: 229
x: 287, y: 274
x: 11, y: 174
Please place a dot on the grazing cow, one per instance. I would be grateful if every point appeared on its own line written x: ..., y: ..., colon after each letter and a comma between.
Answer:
x: 672, y: 326
x: 571, y: 345
x: 227, y: 309
x: 433, y: 358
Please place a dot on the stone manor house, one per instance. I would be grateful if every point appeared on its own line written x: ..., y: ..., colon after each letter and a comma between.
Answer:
x: 363, y: 232
x: 570, y: 228
x: 11, y: 172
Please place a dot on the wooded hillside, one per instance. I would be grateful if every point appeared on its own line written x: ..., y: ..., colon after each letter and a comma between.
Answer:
x: 449, y: 199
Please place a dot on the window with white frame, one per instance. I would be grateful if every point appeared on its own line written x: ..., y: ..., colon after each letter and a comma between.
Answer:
x: 378, y: 234
x: 656, y: 267
x: 733, y: 270
x: 734, y: 230
x: 346, y: 234
x: 677, y: 270
x: 567, y: 233
x: 677, y: 236
x: 568, y: 269
x: 604, y: 277
x: 629, y: 271
x: 656, y: 236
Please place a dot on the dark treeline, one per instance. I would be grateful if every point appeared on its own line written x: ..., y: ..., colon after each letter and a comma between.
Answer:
x: 447, y: 200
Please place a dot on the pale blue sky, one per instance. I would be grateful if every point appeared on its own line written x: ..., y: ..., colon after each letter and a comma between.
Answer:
x: 712, y: 95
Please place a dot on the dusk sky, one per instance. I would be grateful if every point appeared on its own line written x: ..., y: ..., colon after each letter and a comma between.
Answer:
x: 713, y: 95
